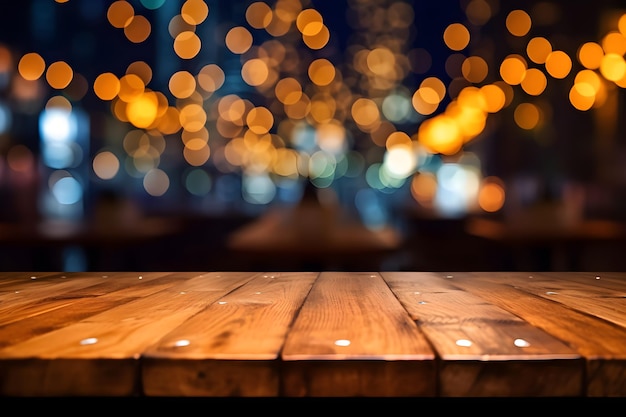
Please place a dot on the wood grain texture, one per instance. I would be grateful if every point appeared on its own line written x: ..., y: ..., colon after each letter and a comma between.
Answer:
x: 232, y: 346
x: 600, y: 341
x: 138, y: 314
x: 478, y: 343
x: 354, y: 318
x: 313, y: 334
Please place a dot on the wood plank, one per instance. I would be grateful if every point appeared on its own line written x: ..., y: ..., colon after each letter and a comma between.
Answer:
x: 99, y: 355
x: 32, y: 298
x: 485, y: 351
x: 599, y: 341
x: 386, y: 355
x: 232, y: 347
x: 41, y: 315
x: 592, y: 296
x: 8, y: 278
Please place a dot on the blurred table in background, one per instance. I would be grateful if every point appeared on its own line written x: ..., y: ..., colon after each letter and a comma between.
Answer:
x: 280, y: 240
x: 112, y: 245
x: 545, y: 241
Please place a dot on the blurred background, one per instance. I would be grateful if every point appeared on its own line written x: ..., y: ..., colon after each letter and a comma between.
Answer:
x: 312, y: 135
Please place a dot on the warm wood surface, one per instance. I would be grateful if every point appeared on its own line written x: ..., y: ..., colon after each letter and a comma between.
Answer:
x: 308, y: 334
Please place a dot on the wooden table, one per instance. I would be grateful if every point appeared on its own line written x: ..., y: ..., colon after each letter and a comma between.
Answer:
x: 301, y: 240
x: 549, y: 243
x: 310, y: 334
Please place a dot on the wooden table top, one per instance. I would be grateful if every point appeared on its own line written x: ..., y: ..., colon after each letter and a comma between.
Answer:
x: 313, y: 334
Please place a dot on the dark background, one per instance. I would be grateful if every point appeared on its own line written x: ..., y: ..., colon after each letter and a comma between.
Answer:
x: 181, y: 232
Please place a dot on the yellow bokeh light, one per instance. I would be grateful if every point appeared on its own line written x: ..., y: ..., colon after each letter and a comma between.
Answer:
x: 260, y: 120
x: 138, y: 29
x: 614, y: 43
x: 474, y: 69
x: 527, y: 116
x: 141, y: 69
x: 589, y: 77
x: 558, y: 64
x: 582, y: 96
x: 131, y: 87
x: 187, y: 45
x: 59, y: 75
x: 518, y: 23
x: 259, y: 15
x: 182, y: 84
x: 534, y: 82
x: 456, y: 36
x: 238, y: 40
x: 365, y: 112
x: 31, y: 66
x: 440, y: 134
x: 513, y: 69
x: 323, y: 108
x: 495, y: 98
x: 196, y: 152
x: 613, y: 67
x: 425, y: 100
x: 321, y: 72
x: 211, y: 78
x: 142, y: 111
x: 590, y: 55
x: 120, y: 13
x: 381, y: 61
x: 187, y: 136
x: 106, y: 86
x: 538, y: 49
x: 398, y: 139
x: 436, y: 85
x: 254, y: 72
x: 106, y: 165
x: 318, y: 40
x: 309, y: 22
x: 424, y: 188
x: 491, y: 195
x: 192, y: 117
x: 288, y: 90
x: 194, y: 12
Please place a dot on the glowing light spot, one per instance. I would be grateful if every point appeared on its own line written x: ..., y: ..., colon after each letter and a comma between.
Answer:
x: 194, y: 12
x: 89, y: 341
x: 31, y: 66
x: 342, y: 342
x: 238, y: 40
x: 106, y: 165
x: 521, y: 343
x: 464, y: 343
x: 558, y: 64
x: 456, y: 36
x: 518, y: 22
x: 59, y: 75
x: 187, y: 44
x: 255, y: 72
x: 182, y: 343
